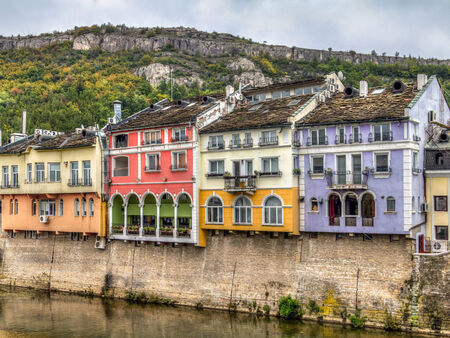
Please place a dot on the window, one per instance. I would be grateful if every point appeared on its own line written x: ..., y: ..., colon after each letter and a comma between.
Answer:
x: 153, y: 163
x: 29, y: 173
x: 152, y: 137
x: 216, y: 168
x: 121, y: 141
x: 297, y: 163
x: 214, y: 210
x: 33, y: 208
x: 11, y: 207
x: 440, y: 203
x: 390, y: 204
x: 40, y: 172
x: 54, y: 170
x: 47, y: 208
x: 317, y: 164
x: 5, y: 177
x: 340, y: 137
x: 431, y: 116
x: 179, y: 134
x: 273, y: 211
x: 257, y: 98
x: 235, y: 140
x: 83, y: 207
x: 179, y: 160
x: 355, y: 135
x: 441, y: 233
x: 16, y: 207
x: 73, y: 173
x: 313, y: 205
x: 77, y: 207
x: 120, y: 166
x: 318, y: 137
x: 86, y: 172
x: 15, y: 176
x: 413, y: 205
x: 60, y: 207
x: 382, y: 163
x: 414, y: 162
x: 242, y: 211
x: 270, y: 165
x: 281, y: 93
x: 269, y: 137
x: 382, y: 132
x: 91, y: 207
x: 216, y: 142
x: 439, y: 159
x: 248, y: 141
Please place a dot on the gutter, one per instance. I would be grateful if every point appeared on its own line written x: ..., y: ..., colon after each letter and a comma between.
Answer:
x: 302, y: 125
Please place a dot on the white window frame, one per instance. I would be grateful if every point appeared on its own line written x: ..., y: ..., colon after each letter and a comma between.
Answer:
x: 219, y: 210
x: 381, y: 174
x: 277, y: 210
x: 56, y: 172
x: 15, y: 176
x: 395, y: 205
x: 76, y: 204
x: 74, y: 173
x: 149, y: 136
x: 311, y: 165
x: 39, y: 174
x: 114, y: 165
x: 271, y: 172
x: 415, y: 162
x: 216, y: 142
x: 60, y: 207
x: 147, y: 162
x: 83, y: 207
x: 338, y: 135
x: 87, y: 172
x: 29, y: 172
x: 177, y: 133
x: 242, y: 207
x: 317, y: 130
x: 311, y: 211
x: 5, y: 176
x: 217, y: 173
x: 46, y: 207
x: 175, y: 154
x: 381, y: 131
x: 352, y: 133
x: 91, y: 207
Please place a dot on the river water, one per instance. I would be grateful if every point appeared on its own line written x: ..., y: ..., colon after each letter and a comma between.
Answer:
x: 25, y: 313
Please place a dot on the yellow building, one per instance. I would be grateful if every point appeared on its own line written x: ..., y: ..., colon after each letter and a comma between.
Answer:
x: 53, y: 184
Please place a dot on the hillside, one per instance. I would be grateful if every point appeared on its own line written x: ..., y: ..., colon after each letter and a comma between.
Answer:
x: 67, y: 79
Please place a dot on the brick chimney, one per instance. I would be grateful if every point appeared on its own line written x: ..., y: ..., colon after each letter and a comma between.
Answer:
x: 421, y: 80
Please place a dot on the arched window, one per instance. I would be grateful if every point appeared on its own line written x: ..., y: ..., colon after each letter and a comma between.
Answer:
x: 334, y: 210
x: 351, y: 209
x: 214, y: 210
x: 83, y: 207
x: 77, y: 207
x: 33, y: 207
x: 313, y: 205
x: 413, y: 204
x: 242, y: 211
x: 439, y: 159
x: 367, y: 210
x: 390, y: 204
x: 16, y: 207
x: 273, y: 211
x: 91, y: 207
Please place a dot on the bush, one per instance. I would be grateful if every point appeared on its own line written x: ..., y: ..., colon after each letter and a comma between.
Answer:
x: 390, y: 322
x: 266, y: 309
x: 358, y: 321
x: 290, y: 308
x: 313, y: 307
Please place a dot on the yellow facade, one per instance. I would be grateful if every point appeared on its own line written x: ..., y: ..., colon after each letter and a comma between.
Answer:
x: 436, y: 185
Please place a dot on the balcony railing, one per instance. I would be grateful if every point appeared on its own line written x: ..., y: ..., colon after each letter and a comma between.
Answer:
x: 321, y: 141
x: 180, y: 138
x: 216, y: 145
x: 75, y: 182
x: 383, y: 137
x: 357, y: 139
x: 147, y: 142
x: 174, y: 167
x: 367, y: 221
x: 347, y: 179
x: 350, y: 221
x: 270, y: 173
x: 340, y: 140
x: 86, y: 181
x: 268, y: 141
x: 152, y: 168
x: 6, y: 186
x: 248, y: 143
x: 234, y: 144
x: 240, y: 183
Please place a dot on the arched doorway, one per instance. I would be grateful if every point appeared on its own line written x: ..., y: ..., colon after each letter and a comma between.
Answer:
x: 367, y: 210
x: 334, y: 209
x: 117, y: 215
x: 133, y: 215
x: 351, y: 209
x: 166, y: 215
x: 184, y: 216
x: 150, y: 213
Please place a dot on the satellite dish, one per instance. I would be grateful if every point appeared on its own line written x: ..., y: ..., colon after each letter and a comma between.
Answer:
x: 340, y: 75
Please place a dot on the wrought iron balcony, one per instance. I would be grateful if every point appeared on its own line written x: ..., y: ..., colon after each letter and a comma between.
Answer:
x: 73, y: 182
x: 248, y: 143
x: 180, y: 138
x: 240, y: 183
x: 382, y: 137
x: 347, y: 179
x: 268, y: 141
x: 86, y: 181
x: 357, y: 139
x: 216, y: 145
x: 179, y: 167
x: 270, y: 173
x: 321, y: 141
x: 340, y: 140
x: 296, y: 143
x: 416, y: 138
x: 235, y: 144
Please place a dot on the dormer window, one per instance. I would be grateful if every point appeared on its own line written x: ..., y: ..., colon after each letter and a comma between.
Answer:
x: 121, y: 141
x: 281, y: 93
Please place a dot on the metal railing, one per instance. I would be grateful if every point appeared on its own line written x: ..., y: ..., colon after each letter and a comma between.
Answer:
x: 174, y: 167
x: 353, y: 140
x: 73, y: 182
x: 240, y: 182
x: 268, y: 141
x: 86, y: 181
x: 216, y: 145
x: 234, y: 144
x: 383, y: 137
x: 180, y: 138
x: 320, y: 141
x: 416, y: 138
x: 248, y: 143
x: 270, y: 173
x: 343, y: 178
x: 154, y: 168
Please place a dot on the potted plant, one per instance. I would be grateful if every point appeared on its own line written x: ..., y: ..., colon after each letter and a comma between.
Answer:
x: 133, y: 229
x: 227, y: 174
x: 296, y: 171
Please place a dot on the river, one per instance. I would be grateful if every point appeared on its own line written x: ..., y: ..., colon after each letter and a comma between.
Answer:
x: 25, y: 313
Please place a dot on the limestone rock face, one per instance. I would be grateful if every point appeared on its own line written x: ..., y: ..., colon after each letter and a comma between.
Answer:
x: 242, y: 63
x: 86, y: 42
x: 256, y: 79
x: 156, y: 73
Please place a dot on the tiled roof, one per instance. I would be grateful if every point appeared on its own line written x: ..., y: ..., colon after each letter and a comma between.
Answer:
x: 169, y: 113
x: 64, y: 141
x: 374, y: 107
x: 260, y: 115
x: 278, y: 86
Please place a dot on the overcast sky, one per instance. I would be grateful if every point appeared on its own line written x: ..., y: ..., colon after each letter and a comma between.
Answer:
x: 416, y: 27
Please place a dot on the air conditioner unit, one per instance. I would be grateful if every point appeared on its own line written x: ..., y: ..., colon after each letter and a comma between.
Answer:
x: 424, y: 207
x: 43, y: 219
x: 439, y: 246
x: 100, y: 243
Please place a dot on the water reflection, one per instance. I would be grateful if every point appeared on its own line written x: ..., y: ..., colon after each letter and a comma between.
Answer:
x: 25, y: 313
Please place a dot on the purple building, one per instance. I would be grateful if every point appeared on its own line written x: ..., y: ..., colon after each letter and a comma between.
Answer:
x: 361, y: 158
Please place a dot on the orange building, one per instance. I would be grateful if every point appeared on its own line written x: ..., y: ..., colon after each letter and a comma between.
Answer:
x: 53, y: 184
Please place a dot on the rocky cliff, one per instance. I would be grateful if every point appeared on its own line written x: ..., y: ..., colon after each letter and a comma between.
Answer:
x: 192, y: 42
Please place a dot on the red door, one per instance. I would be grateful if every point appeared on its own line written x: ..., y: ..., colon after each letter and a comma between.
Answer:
x: 421, y: 244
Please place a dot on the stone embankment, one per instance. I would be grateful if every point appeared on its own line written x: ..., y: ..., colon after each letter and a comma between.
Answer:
x: 243, y: 273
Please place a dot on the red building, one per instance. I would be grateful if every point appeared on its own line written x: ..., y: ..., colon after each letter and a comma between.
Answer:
x: 153, y: 171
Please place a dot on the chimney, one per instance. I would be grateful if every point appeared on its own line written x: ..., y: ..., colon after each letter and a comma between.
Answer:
x: 229, y: 90
x: 117, y: 111
x: 24, y: 122
x: 421, y: 80
x: 363, y: 88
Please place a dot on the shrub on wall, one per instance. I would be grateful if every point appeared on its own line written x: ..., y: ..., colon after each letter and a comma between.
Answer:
x: 290, y: 308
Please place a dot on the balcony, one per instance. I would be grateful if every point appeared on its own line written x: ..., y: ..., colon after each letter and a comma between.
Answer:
x: 216, y: 145
x: 321, y: 141
x: 268, y: 141
x: 240, y: 183
x: 248, y: 143
x: 180, y: 138
x: 175, y: 167
x: 381, y: 137
x: 347, y: 180
x: 340, y: 140
x: 234, y: 144
x: 75, y: 182
x: 296, y: 143
x: 86, y: 181
x: 270, y: 173
x: 355, y: 138
x: 149, y: 169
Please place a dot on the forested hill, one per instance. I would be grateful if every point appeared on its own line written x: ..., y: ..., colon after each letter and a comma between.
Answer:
x: 62, y: 87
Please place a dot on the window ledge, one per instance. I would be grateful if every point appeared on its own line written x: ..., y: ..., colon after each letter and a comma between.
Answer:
x: 152, y: 171
x: 317, y: 176
x: 181, y: 169
x: 214, y: 176
x: 212, y: 223
x: 243, y: 224
x: 390, y: 212
x: 313, y: 212
x: 381, y: 175
x: 273, y: 225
